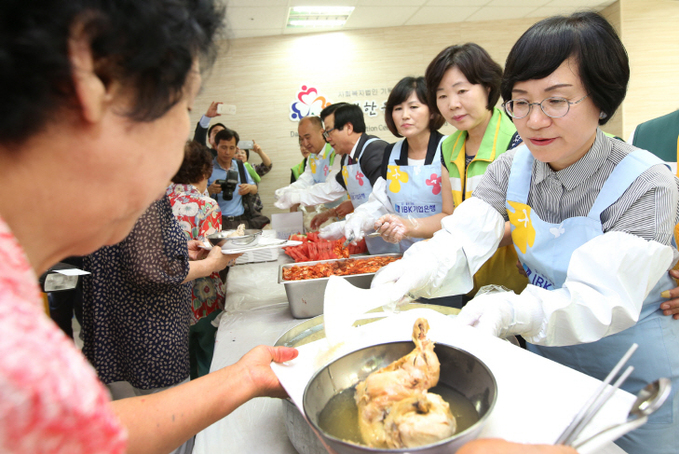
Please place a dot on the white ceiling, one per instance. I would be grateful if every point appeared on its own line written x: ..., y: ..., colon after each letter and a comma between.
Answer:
x: 250, y: 18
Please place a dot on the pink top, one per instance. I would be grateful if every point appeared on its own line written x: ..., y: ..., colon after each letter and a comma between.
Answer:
x: 50, y: 398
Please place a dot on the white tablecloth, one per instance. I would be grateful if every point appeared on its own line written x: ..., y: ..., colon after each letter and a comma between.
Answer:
x: 257, y: 313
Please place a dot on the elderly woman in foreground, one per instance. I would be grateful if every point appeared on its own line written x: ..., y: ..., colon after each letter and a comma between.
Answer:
x: 113, y: 83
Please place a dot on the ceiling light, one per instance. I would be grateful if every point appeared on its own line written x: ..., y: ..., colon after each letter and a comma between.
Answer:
x: 318, y: 16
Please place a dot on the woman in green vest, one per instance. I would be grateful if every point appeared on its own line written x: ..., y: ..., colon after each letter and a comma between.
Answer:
x: 464, y: 87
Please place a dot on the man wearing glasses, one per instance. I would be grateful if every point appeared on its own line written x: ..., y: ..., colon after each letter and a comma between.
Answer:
x: 320, y: 166
x: 361, y: 162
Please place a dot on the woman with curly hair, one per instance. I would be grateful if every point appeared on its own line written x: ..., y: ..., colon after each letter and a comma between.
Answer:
x: 199, y: 215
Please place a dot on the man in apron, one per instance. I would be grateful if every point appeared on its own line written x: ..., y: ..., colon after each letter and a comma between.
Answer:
x: 361, y: 165
x: 321, y: 165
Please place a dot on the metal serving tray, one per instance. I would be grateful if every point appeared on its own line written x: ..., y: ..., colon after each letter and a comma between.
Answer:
x: 306, y: 296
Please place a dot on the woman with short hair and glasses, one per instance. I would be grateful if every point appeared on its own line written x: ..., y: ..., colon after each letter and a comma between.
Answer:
x: 591, y: 218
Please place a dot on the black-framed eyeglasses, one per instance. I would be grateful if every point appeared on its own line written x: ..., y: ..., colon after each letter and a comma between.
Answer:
x: 326, y: 133
x: 554, y: 107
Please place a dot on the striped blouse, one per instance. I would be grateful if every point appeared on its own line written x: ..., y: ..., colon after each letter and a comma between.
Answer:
x: 649, y: 208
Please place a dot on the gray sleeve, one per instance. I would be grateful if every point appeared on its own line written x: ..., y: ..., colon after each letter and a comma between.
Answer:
x: 649, y: 208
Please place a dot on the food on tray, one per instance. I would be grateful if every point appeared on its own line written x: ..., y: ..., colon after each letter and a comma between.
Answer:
x: 338, y: 268
x: 240, y: 231
x: 395, y: 410
x: 315, y: 248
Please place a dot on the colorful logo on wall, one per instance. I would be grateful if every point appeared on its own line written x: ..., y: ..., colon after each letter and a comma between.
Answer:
x: 308, y: 102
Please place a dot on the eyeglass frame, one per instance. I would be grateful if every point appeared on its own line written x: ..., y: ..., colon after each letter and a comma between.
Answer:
x: 326, y: 133
x: 531, y: 104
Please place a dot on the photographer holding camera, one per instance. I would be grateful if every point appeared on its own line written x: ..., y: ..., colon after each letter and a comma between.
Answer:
x: 231, y: 184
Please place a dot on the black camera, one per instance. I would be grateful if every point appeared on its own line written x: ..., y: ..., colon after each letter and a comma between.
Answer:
x: 229, y: 185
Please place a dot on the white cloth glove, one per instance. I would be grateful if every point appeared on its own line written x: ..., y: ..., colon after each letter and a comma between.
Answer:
x: 333, y: 231
x: 608, y: 278
x: 278, y: 193
x: 502, y: 314
x: 357, y: 224
x: 287, y: 199
x: 445, y: 265
x: 607, y: 281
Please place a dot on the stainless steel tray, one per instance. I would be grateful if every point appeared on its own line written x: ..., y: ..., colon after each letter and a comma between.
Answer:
x: 306, y: 296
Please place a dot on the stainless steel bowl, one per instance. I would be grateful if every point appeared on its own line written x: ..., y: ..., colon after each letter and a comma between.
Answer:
x: 460, y: 371
x: 222, y: 239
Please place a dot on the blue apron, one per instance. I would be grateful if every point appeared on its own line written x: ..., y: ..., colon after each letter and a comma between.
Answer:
x: 320, y: 164
x: 359, y: 189
x: 414, y: 191
x: 546, y: 262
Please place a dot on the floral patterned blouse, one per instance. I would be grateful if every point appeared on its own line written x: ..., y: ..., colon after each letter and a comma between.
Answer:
x: 199, y: 215
x: 50, y: 398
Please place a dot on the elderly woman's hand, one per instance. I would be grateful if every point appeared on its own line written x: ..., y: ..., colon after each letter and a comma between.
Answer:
x: 219, y: 260
x: 195, y: 250
x: 255, y: 369
x: 498, y: 446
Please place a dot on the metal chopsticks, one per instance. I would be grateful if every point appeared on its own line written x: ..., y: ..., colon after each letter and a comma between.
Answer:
x: 597, y: 400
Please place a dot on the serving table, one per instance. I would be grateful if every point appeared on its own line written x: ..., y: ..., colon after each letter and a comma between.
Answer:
x: 257, y: 313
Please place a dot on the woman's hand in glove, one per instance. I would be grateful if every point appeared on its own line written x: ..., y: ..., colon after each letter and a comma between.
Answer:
x: 502, y: 314
x: 392, y: 228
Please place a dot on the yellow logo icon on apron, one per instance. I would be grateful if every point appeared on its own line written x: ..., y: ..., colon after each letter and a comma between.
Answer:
x: 523, y: 233
x: 345, y: 175
x: 395, y: 178
x: 312, y: 163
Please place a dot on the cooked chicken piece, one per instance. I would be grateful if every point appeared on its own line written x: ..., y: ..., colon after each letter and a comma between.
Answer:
x: 418, y: 420
x: 408, y: 377
x: 240, y: 231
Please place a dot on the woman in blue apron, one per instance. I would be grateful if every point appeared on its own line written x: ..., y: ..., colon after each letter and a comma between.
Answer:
x: 592, y: 221
x: 414, y: 183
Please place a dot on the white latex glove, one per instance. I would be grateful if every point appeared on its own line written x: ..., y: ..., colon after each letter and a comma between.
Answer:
x: 333, y: 231
x: 445, y: 265
x: 392, y: 228
x: 503, y: 314
x: 363, y: 218
x: 287, y: 199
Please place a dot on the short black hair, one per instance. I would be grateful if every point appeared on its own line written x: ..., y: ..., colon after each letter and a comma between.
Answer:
x: 476, y: 65
x: 209, y: 130
x: 327, y: 110
x: 586, y: 37
x: 226, y: 134
x: 148, y: 47
x: 349, y: 113
x: 400, y: 94
x: 197, y: 164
